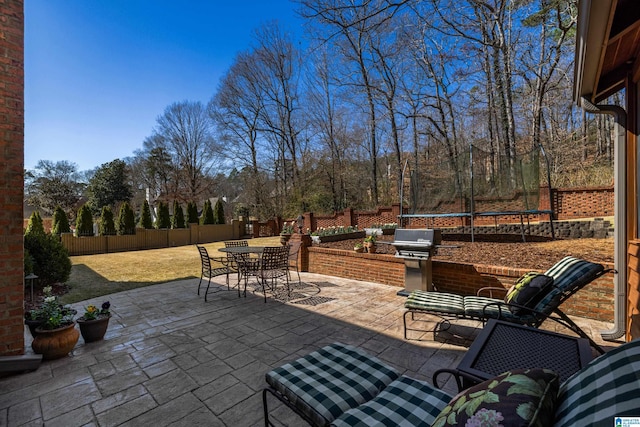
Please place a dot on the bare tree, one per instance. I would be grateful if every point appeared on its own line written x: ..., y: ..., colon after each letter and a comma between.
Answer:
x: 236, y: 110
x: 352, y: 25
x: 186, y: 134
x: 279, y: 63
x: 52, y: 184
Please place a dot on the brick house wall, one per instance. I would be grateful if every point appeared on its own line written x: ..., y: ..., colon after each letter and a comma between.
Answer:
x: 11, y: 177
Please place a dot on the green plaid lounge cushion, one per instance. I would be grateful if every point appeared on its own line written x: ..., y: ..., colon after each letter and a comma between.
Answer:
x: 324, y: 384
x: 606, y: 388
x: 568, y: 274
x: 438, y: 302
x: 405, y: 402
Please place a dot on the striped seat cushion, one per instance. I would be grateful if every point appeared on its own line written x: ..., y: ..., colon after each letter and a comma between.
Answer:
x: 439, y: 302
x: 606, y: 388
x: 474, y: 306
x: 324, y: 384
x: 568, y: 274
x: 405, y: 402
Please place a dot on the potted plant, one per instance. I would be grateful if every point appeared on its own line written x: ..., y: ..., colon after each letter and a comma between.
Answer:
x: 370, y: 243
x: 358, y: 247
x: 94, y: 322
x: 56, y: 335
x: 287, y: 231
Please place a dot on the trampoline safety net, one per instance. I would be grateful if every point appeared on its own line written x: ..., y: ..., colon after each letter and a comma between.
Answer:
x: 475, y: 181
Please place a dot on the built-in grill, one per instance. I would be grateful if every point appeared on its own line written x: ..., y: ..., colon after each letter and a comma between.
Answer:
x: 417, y: 247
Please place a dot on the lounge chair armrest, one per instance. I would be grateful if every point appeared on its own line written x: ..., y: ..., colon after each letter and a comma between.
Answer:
x: 457, y: 375
x: 490, y: 290
x: 528, y: 312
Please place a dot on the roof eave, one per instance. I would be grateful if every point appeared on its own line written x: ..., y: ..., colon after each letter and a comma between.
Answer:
x: 594, y: 18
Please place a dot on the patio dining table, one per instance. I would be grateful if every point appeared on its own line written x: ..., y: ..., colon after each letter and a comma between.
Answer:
x: 246, y: 265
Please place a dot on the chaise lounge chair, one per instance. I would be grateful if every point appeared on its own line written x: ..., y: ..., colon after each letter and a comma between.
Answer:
x: 341, y: 385
x: 532, y: 300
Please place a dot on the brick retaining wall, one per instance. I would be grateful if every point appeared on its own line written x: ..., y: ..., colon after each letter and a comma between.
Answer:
x: 595, y: 301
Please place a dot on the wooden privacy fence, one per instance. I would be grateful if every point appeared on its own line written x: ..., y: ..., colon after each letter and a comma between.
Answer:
x: 152, y: 239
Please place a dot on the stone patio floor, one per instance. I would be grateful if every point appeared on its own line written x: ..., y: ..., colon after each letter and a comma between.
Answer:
x: 171, y: 359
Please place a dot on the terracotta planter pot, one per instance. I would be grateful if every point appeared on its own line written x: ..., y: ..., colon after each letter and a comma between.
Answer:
x: 93, y: 330
x: 371, y: 247
x: 55, y: 343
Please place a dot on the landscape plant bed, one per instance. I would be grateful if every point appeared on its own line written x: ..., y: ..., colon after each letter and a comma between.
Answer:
x: 342, y: 236
x: 507, y: 251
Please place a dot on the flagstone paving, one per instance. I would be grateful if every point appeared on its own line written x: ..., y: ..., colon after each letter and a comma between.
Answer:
x: 171, y: 359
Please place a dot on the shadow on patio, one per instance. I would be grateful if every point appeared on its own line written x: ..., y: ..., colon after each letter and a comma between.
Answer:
x: 169, y: 358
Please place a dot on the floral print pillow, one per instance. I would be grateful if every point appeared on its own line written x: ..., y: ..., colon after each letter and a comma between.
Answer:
x: 522, y: 397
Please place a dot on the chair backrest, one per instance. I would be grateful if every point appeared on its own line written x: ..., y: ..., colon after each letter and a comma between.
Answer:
x: 204, y: 258
x: 569, y: 276
x: 235, y: 243
x: 294, y: 248
x: 275, y: 258
x: 232, y: 258
x: 605, y: 389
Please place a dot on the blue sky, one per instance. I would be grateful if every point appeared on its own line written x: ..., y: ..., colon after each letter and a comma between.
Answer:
x: 99, y: 73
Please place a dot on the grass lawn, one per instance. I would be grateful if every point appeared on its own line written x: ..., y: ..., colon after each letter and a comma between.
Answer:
x: 96, y: 275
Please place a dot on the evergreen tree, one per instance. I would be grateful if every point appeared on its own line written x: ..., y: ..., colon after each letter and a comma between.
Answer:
x: 35, y: 225
x: 177, y: 220
x: 218, y: 212
x: 60, y: 222
x: 145, y: 219
x: 164, y: 219
x: 106, y: 226
x: 207, y: 213
x: 48, y: 257
x: 109, y: 185
x: 126, y: 220
x: 84, y: 222
x: 192, y: 213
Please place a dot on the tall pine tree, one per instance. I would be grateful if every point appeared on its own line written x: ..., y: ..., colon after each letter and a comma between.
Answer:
x: 146, y: 221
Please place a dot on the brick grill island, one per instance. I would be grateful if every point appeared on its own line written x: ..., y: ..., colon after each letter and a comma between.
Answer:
x: 417, y: 247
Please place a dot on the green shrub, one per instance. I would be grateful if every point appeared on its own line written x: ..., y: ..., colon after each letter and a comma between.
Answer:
x: 145, y: 219
x: 207, y: 213
x: 192, y: 213
x: 126, y: 220
x: 49, y: 257
x: 164, y: 219
x: 106, y: 226
x: 35, y: 224
x: 60, y: 223
x: 84, y: 221
x: 28, y: 262
x: 218, y: 212
x: 177, y: 220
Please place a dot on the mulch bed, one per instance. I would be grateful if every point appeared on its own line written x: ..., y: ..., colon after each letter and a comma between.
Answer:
x: 504, y: 250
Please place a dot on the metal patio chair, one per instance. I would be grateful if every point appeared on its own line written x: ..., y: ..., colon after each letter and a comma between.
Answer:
x: 294, y: 249
x: 209, y: 272
x: 274, y: 266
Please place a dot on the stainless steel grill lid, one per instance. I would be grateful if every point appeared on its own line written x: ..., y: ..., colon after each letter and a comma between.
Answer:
x: 416, y: 243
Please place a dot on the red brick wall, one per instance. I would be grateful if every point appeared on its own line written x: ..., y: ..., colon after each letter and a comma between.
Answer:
x: 595, y: 301
x: 11, y: 177
x: 573, y: 203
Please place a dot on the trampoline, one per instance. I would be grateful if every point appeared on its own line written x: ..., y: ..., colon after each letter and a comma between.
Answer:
x: 477, y: 184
